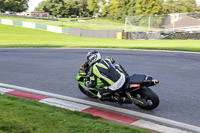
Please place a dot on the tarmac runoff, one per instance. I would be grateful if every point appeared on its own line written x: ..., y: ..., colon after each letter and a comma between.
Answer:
x: 97, y: 109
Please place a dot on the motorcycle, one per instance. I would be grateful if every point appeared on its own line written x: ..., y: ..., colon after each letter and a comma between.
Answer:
x: 134, y: 91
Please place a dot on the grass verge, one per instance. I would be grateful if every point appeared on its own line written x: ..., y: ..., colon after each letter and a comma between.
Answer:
x: 13, y: 36
x: 24, y: 116
x: 95, y: 24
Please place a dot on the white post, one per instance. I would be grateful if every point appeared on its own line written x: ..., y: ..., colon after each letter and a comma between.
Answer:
x: 174, y: 22
x: 125, y: 24
x: 149, y: 23
x: 173, y: 25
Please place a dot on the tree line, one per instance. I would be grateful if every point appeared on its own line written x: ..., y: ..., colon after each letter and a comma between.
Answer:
x: 65, y: 8
x: 13, y: 5
x: 116, y: 9
x: 111, y: 9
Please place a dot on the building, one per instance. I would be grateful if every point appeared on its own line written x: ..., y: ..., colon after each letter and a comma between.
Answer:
x: 183, y: 23
x: 33, y: 14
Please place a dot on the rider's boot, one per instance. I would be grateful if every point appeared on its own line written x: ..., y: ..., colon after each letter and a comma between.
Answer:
x: 120, y: 100
x: 104, y: 95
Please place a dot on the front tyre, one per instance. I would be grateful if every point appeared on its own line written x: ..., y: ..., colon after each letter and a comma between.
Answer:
x: 148, y: 97
x: 90, y: 93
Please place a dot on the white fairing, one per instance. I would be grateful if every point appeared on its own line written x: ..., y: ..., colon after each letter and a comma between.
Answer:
x: 118, y: 84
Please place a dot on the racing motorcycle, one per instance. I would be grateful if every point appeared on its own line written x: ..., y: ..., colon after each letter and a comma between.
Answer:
x: 134, y: 91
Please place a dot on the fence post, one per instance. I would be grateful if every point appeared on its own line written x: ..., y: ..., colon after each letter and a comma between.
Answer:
x: 174, y: 22
x: 125, y: 24
x: 149, y: 23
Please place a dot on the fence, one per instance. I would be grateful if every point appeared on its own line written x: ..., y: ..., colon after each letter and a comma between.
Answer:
x: 35, y: 26
x: 195, y: 35
x: 160, y: 35
x: 94, y: 33
x: 168, y: 22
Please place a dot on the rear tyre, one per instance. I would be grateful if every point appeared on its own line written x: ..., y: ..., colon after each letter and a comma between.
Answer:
x: 150, y: 99
x: 87, y: 93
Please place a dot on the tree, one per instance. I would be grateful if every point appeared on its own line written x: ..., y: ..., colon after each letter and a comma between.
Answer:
x: 190, y: 5
x: 93, y: 6
x: 65, y: 8
x: 179, y: 6
x: 148, y: 7
x: 44, y: 6
x: 1, y: 5
x: 198, y: 9
x: 81, y: 8
x: 118, y: 9
x: 13, y: 5
x: 68, y: 11
x: 55, y: 7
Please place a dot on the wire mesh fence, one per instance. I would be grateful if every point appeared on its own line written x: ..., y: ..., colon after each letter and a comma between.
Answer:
x: 169, y: 22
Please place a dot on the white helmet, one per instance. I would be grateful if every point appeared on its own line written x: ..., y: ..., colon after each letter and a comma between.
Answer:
x: 93, y: 56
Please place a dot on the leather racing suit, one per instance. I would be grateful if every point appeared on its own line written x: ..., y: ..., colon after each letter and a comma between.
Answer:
x: 105, y: 70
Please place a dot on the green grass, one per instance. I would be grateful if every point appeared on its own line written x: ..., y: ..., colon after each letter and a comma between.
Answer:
x: 14, y: 36
x: 24, y: 116
x: 97, y: 24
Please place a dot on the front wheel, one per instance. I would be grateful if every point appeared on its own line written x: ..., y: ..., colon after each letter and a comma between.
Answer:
x: 89, y: 93
x: 148, y: 97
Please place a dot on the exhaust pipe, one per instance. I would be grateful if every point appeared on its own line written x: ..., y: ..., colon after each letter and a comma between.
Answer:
x: 155, y: 81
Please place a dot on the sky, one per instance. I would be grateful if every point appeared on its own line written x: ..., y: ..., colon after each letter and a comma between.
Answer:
x: 34, y: 3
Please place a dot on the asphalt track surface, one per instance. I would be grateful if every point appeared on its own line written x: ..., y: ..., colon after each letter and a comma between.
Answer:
x: 54, y: 70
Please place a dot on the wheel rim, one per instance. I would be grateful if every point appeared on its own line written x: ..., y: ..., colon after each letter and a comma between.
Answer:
x: 148, y: 97
x: 149, y: 102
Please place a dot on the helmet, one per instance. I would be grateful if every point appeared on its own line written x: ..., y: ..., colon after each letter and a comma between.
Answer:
x: 93, y: 56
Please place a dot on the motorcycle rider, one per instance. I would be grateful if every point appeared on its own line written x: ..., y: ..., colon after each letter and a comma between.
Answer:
x: 109, y: 73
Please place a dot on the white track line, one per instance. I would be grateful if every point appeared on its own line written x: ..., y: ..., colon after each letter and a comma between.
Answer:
x: 4, y: 90
x: 156, y: 127
x: 64, y: 104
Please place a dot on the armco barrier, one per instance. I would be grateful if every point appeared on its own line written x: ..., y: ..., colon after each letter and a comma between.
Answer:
x: 7, y: 22
x: 28, y: 25
x: 65, y: 30
x: 71, y: 31
x: 41, y: 26
x: 35, y: 26
x: 17, y: 23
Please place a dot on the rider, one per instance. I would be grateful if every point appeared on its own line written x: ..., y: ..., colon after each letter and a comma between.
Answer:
x: 105, y: 70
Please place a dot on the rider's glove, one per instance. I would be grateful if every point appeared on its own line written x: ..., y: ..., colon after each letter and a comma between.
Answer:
x: 87, y: 81
x: 112, y: 60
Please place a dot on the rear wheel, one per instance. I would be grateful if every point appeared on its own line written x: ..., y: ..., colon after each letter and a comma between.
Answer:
x: 89, y: 93
x: 148, y: 97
